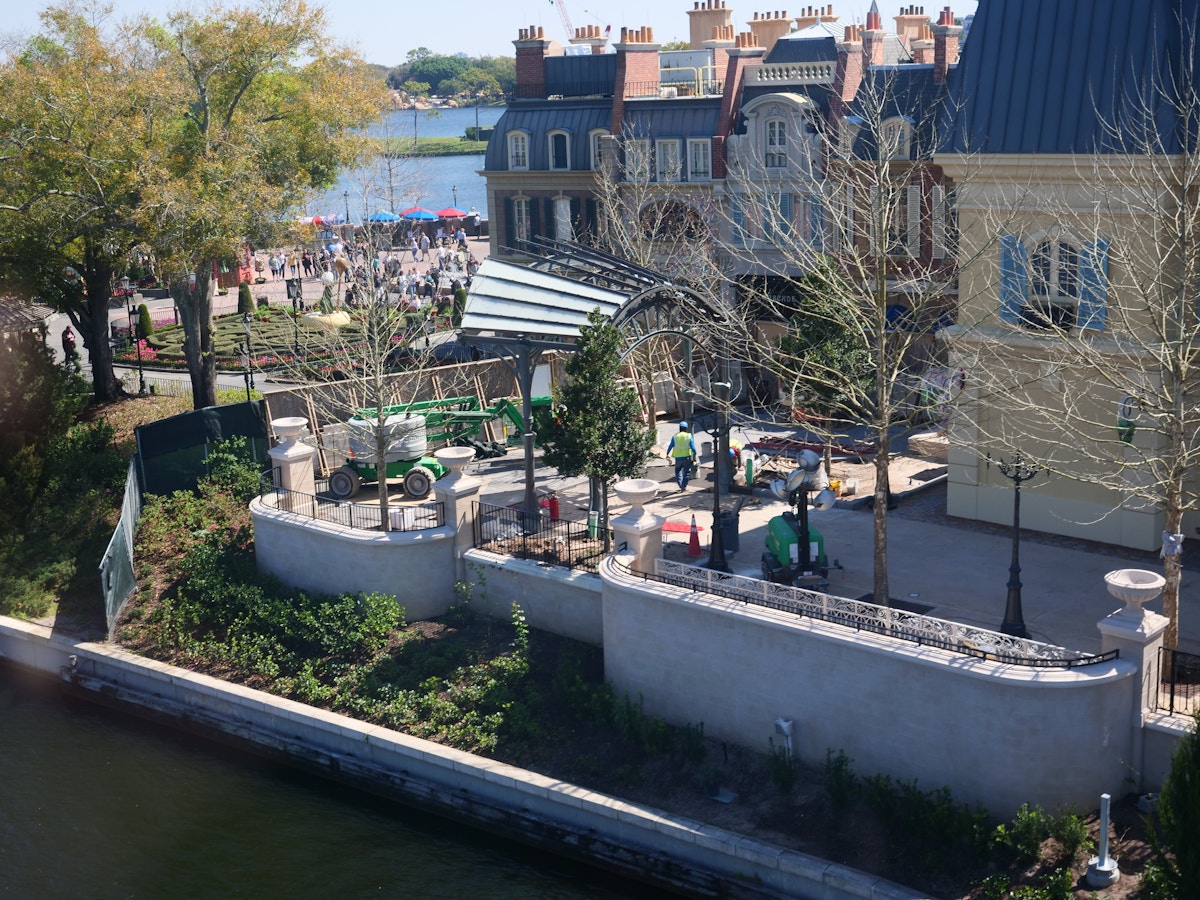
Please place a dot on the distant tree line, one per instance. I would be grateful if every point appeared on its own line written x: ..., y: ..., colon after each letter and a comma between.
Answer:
x: 477, y: 79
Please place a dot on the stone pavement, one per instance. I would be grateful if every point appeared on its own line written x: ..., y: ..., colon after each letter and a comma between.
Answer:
x: 957, y: 568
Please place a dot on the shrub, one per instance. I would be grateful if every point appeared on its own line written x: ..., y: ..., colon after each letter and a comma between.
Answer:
x: 1176, y: 840
x: 145, y: 326
x: 1026, y: 833
x: 245, y: 299
x: 840, y: 781
x: 1071, y: 831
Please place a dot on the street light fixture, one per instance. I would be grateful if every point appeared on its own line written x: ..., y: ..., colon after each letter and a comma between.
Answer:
x: 246, y: 320
x: 716, y: 544
x: 1017, y: 470
x: 244, y: 359
x: 454, y: 191
x: 125, y: 290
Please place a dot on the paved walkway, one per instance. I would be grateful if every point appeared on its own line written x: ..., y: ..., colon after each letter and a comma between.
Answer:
x: 956, y: 567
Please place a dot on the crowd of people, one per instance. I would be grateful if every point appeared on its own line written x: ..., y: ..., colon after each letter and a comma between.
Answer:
x: 417, y: 271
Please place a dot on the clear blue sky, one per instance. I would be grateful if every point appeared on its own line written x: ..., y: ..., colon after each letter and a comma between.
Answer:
x: 385, y: 30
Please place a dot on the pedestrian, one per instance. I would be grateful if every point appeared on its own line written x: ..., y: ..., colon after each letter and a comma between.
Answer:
x: 477, y: 222
x: 425, y: 247
x: 273, y: 263
x: 415, y: 247
x: 68, y: 345
x: 683, y: 451
x: 293, y: 264
x: 307, y: 264
x: 461, y: 236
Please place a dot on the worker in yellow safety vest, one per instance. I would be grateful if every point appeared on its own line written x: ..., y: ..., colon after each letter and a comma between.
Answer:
x: 683, y: 451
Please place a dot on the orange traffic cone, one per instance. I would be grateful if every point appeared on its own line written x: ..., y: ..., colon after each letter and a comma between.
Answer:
x: 694, y: 540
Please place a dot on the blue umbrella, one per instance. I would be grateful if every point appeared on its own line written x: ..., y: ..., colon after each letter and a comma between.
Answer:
x: 419, y: 214
x: 383, y: 216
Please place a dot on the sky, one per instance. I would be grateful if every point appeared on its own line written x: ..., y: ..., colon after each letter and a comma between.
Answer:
x: 383, y: 31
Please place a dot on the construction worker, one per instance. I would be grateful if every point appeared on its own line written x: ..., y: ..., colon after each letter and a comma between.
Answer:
x: 683, y: 451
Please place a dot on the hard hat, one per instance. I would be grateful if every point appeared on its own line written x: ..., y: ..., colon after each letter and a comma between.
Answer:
x: 683, y: 426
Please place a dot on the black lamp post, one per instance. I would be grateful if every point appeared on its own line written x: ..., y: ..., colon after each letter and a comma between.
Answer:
x: 346, y: 199
x: 454, y: 191
x: 133, y: 334
x: 246, y: 320
x: 1018, y: 470
x: 716, y: 545
x: 296, y: 293
x: 245, y: 361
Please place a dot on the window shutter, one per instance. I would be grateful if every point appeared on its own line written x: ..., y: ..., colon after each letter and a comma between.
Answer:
x: 738, y: 215
x: 510, y: 223
x: 1013, y: 278
x: 914, y: 221
x: 873, y: 237
x: 1093, y: 285
x: 535, y: 219
x: 938, y: 225
x: 785, y: 214
x: 816, y: 224
x: 849, y: 217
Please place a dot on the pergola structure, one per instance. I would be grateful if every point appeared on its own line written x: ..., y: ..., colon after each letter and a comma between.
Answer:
x: 520, y: 311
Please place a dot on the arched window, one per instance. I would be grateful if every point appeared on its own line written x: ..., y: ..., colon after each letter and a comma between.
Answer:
x: 560, y: 150
x: 895, y: 139
x: 596, y: 148
x: 518, y: 150
x: 775, y: 151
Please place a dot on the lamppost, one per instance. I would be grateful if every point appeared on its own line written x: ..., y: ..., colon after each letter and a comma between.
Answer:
x: 346, y: 199
x: 1018, y: 470
x: 295, y: 291
x: 454, y: 191
x: 716, y: 544
x: 246, y: 320
x: 133, y: 333
x: 244, y: 359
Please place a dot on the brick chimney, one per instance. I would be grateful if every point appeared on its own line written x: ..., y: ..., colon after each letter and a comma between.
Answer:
x: 745, y: 52
x: 769, y: 27
x: 704, y: 17
x: 945, y: 44
x: 592, y: 35
x: 532, y: 50
x: 721, y: 42
x: 849, y: 72
x: 909, y: 24
x: 637, y: 72
x: 811, y: 16
x: 922, y: 46
x: 872, y: 38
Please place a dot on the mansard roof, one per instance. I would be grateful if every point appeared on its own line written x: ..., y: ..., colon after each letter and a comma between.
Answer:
x: 1053, y: 76
x: 539, y: 117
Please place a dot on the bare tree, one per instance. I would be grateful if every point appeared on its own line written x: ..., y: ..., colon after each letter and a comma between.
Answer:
x: 1087, y: 365
x: 845, y: 234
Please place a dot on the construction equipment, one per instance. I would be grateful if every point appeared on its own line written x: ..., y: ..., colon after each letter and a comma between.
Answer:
x: 450, y: 420
x: 406, y: 443
x: 795, y: 551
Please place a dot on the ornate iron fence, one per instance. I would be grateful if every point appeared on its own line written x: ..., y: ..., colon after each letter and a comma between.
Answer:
x: 538, y: 537
x: 362, y: 516
x: 897, y: 623
x: 1179, y: 681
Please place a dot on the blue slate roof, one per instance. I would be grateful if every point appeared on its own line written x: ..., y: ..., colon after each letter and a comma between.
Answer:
x: 905, y: 91
x: 539, y: 117
x: 1046, y: 76
x: 804, y: 46
x: 576, y: 76
x: 660, y: 119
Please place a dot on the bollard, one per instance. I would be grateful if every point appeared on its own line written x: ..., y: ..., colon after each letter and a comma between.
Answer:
x: 1102, y: 870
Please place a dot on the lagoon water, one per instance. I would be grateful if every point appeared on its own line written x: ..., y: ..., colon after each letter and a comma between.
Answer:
x: 101, y: 805
x: 429, y: 183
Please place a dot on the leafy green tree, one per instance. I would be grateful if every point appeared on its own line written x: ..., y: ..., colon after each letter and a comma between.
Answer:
x: 259, y: 105
x: 436, y: 69
x: 503, y: 69
x: 595, y: 431
x: 72, y: 133
x: 473, y: 84
x: 1176, y: 841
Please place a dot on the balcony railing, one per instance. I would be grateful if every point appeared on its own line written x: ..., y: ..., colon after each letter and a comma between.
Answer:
x: 361, y: 516
x: 1179, y: 682
x: 897, y: 623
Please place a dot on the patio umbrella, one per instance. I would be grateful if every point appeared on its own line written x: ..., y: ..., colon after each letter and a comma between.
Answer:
x: 418, y: 214
x: 383, y: 216
x: 451, y: 212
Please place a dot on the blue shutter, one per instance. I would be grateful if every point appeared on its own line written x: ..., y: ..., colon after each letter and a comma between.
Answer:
x: 738, y: 235
x: 785, y: 214
x: 1093, y: 285
x: 1013, y: 278
x: 816, y: 222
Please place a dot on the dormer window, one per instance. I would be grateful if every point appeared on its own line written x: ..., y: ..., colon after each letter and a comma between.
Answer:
x: 896, y: 139
x: 596, y: 148
x: 776, y: 143
x: 666, y: 155
x: 560, y: 151
x: 518, y: 150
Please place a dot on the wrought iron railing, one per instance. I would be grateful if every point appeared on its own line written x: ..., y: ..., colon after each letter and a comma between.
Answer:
x: 538, y: 537
x: 362, y: 516
x: 897, y: 623
x: 1178, y: 682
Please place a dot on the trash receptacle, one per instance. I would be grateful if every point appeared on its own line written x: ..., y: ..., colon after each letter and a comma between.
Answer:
x: 729, y: 530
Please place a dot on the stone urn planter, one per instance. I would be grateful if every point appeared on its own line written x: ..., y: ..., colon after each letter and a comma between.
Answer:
x: 637, y: 492
x: 289, y: 428
x: 1134, y: 587
x: 454, y: 459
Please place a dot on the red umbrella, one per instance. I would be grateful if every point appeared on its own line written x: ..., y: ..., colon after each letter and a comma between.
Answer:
x: 451, y: 212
